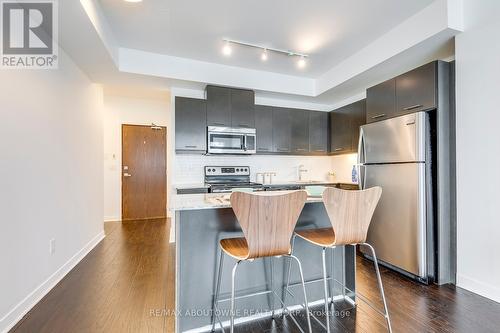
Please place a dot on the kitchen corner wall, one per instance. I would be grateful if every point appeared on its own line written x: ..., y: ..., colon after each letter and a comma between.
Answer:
x: 189, y: 168
x: 478, y: 152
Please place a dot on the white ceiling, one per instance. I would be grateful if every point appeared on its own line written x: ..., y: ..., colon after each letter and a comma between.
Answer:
x: 329, y: 30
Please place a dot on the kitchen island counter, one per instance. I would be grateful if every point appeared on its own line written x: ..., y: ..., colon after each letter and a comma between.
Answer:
x: 201, y: 221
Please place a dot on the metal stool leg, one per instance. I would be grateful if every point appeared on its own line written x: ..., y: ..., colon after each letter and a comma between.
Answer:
x: 232, y: 295
x: 272, y: 287
x: 325, y: 285
x: 304, y: 291
x: 380, y: 286
x: 217, y: 289
x: 289, y: 271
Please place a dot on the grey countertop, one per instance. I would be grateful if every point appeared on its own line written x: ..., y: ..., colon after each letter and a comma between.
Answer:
x: 275, y: 184
x: 210, y: 201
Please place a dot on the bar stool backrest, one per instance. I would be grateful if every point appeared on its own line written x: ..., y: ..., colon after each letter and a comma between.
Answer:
x: 350, y: 213
x: 268, y: 220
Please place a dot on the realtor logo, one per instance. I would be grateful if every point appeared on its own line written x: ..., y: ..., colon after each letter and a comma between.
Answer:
x: 29, y: 34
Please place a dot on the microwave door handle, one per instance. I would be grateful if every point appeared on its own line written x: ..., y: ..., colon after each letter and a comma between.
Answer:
x: 244, y: 142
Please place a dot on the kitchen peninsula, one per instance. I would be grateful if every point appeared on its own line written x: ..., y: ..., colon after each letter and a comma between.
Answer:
x: 201, y: 221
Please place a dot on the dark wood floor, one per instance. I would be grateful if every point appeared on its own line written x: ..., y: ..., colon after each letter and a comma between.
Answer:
x: 131, y: 272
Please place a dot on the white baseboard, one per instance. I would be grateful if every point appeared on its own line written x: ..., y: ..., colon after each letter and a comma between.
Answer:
x: 484, y: 289
x: 112, y: 218
x: 22, y: 308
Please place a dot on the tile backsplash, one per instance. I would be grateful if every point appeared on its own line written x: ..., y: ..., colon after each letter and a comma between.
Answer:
x: 188, y: 169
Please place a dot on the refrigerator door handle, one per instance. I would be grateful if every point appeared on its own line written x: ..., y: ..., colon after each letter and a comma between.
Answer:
x: 361, y: 147
x: 362, y: 176
x: 360, y: 159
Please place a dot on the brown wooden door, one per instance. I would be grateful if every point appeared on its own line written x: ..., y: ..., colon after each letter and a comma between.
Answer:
x: 144, y: 179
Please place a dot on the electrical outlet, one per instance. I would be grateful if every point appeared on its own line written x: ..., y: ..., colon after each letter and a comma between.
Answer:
x: 52, y: 246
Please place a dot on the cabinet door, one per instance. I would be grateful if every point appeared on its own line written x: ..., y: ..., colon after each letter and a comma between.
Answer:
x: 282, y: 130
x: 358, y: 119
x: 300, y: 131
x: 242, y: 108
x: 318, y: 132
x: 190, y: 125
x: 381, y: 101
x: 416, y: 90
x: 264, y: 127
x: 218, y: 106
x: 340, y: 136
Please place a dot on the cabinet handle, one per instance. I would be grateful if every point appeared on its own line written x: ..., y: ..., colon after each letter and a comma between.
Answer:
x: 266, y: 149
x: 218, y: 124
x: 246, y: 126
x: 412, y: 107
x: 319, y: 150
x: 339, y: 149
x: 190, y: 146
x: 282, y: 149
x: 379, y: 116
x: 300, y: 149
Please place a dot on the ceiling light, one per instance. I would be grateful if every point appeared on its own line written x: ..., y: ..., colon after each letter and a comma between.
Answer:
x: 226, y: 50
x: 263, y: 57
x: 302, y: 62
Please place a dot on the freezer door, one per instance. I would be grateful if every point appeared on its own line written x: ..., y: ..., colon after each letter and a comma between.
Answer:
x: 395, y: 140
x: 398, y: 228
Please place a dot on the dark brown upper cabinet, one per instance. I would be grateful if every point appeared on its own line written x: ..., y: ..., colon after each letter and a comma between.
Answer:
x: 318, y: 132
x: 218, y: 106
x: 416, y: 89
x: 190, y: 125
x: 340, y: 132
x: 264, y: 128
x: 242, y: 108
x: 358, y: 112
x: 300, y: 131
x: 230, y: 107
x: 282, y: 130
x: 410, y: 92
x: 381, y: 101
x: 344, y: 127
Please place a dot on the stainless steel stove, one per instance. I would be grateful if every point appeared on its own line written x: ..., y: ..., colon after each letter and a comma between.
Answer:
x: 222, y: 179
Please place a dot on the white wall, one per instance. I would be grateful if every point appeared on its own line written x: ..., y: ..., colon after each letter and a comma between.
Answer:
x: 478, y: 148
x: 51, y: 180
x: 128, y: 106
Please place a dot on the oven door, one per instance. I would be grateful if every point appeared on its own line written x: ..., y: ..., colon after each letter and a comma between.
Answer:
x: 226, y: 140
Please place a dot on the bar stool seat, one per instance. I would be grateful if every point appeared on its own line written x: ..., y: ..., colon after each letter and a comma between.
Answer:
x: 268, y: 221
x: 350, y: 214
x: 235, y: 247
x: 321, y: 236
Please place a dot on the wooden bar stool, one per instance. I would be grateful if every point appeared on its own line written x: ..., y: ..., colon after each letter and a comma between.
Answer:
x: 350, y: 213
x: 268, y: 221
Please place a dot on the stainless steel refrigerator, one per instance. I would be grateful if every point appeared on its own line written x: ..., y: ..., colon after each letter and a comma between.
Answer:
x: 396, y: 154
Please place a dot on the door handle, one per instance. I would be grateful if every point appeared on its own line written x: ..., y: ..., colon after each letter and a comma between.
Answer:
x: 379, y: 116
x: 127, y: 174
x: 412, y: 107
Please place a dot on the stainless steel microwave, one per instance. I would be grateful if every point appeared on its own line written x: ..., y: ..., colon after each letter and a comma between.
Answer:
x: 230, y: 140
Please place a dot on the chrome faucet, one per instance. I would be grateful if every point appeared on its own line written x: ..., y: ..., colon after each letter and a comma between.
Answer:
x: 301, y: 171
x: 262, y: 175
